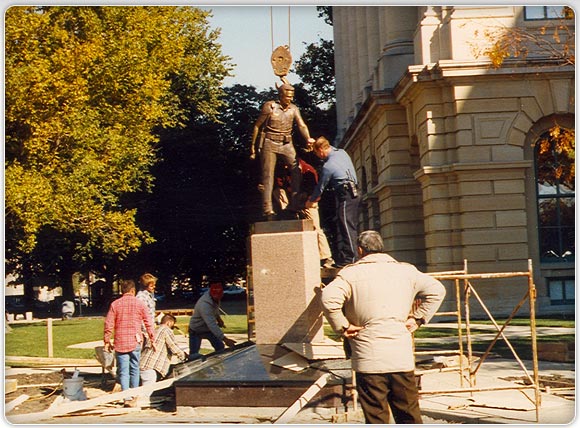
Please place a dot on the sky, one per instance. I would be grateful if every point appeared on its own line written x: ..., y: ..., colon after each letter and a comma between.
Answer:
x: 247, y: 33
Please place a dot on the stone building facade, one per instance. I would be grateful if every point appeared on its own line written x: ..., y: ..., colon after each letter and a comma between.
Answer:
x: 445, y: 144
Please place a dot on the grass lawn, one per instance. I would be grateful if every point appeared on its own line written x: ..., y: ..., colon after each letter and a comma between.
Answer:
x: 540, y: 322
x: 30, y: 340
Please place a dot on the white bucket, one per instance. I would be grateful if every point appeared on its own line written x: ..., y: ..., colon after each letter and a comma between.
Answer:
x: 73, y: 389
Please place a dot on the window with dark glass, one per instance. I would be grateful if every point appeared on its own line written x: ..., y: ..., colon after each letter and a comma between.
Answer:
x: 561, y: 291
x: 555, y: 173
x: 532, y: 13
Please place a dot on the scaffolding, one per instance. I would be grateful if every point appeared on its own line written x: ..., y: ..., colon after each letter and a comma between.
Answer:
x: 464, y: 287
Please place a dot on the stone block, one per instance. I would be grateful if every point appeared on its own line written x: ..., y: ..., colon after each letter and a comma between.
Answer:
x: 475, y: 188
x: 508, y: 186
x: 492, y: 203
x: 478, y: 253
x: 487, y: 105
x: 473, y: 154
x: 511, y: 218
x: 522, y: 123
x: 495, y: 236
x: 477, y: 220
x: 513, y: 252
x: 286, y: 278
x: 531, y: 108
x: 562, y: 93
x: 507, y: 153
x: 464, y: 121
x: 282, y: 226
x: 438, y: 223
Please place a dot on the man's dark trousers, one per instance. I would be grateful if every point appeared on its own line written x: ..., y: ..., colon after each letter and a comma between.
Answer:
x: 379, y: 391
x: 346, y: 227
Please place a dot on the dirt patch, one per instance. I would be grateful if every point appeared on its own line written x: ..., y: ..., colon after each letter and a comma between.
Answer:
x: 44, y: 388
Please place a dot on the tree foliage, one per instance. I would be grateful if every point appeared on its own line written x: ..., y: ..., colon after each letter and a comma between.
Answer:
x: 86, y: 89
x: 554, y: 41
x: 557, y: 153
x: 316, y: 70
x: 325, y: 12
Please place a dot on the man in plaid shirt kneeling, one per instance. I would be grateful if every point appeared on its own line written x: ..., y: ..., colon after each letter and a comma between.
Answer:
x: 155, y: 362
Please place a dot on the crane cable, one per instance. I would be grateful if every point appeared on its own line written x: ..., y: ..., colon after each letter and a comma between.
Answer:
x: 272, y: 26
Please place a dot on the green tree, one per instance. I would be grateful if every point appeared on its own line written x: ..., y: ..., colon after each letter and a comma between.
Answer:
x: 316, y: 70
x: 325, y: 12
x: 87, y: 90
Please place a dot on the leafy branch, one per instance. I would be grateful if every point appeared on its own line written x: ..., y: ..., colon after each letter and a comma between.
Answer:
x: 555, y: 42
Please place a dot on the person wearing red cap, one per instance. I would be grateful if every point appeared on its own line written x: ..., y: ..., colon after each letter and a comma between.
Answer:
x: 206, y: 323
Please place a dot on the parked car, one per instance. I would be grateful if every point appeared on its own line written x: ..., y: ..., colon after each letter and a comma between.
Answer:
x: 232, y: 290
x: 82, y: 300
x: 159, y: 297
x: 15, y: 305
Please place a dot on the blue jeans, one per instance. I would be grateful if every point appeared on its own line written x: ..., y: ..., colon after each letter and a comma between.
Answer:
x: 128, y: 368
x: 195, y: 343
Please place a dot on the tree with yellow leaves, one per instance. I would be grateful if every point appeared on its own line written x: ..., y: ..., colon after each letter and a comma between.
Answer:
x: 86, y: 90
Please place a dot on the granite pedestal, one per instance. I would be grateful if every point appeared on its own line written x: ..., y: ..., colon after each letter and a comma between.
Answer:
x: 286, y: 278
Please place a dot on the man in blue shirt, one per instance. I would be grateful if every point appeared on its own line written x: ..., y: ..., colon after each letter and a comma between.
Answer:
x: 338, y: 174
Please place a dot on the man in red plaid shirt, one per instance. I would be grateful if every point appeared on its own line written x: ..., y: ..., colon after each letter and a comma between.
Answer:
x: 126, y: 316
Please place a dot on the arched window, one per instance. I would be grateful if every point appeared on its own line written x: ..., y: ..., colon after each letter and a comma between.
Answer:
x: 363, y: 180
x: 374, y: 171
x: 554, y: 165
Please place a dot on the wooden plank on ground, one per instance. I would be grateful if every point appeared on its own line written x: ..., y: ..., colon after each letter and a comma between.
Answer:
x: 10, y: 385
x: 50, y: 362
x: 75, y: 406
x: 16, y: 402
x: 303, y: 400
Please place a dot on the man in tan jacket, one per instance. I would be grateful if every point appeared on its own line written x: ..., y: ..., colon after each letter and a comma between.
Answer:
x: 371, y: 303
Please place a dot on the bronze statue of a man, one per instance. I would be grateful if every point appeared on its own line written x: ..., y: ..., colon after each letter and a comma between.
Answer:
x: 274, y: 128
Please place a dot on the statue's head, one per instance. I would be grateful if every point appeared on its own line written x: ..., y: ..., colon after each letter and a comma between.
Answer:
x: 286, y: 93
x: 285, y: 87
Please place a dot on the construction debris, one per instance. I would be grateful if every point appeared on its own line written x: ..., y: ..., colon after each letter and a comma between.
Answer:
x: 16, y: 402
x: 49, y: 362
x: 303, y: 400
x: 10, y: 385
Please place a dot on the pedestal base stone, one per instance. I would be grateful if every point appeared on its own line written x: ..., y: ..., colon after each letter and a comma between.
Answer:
x: 286, y: 277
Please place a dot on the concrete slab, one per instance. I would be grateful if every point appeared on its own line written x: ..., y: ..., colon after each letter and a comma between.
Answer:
x: 501, y: 406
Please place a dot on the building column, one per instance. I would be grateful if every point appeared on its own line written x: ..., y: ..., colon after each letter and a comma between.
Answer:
x: 398, y: 25
x: 341, y: 69
x: 426, y: 39
x: 362, y: 48
x: 353, y: 76
x: 373, y: 42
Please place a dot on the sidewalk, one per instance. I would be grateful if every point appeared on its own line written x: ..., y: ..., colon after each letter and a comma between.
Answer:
x: 490, y: 407
x: 500, y: 406
x: 510, y: 406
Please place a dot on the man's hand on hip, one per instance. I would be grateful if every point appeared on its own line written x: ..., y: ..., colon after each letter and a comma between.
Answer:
x: 351, y: 331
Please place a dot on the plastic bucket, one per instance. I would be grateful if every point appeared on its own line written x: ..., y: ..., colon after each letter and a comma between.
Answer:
x: 73, y: 388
